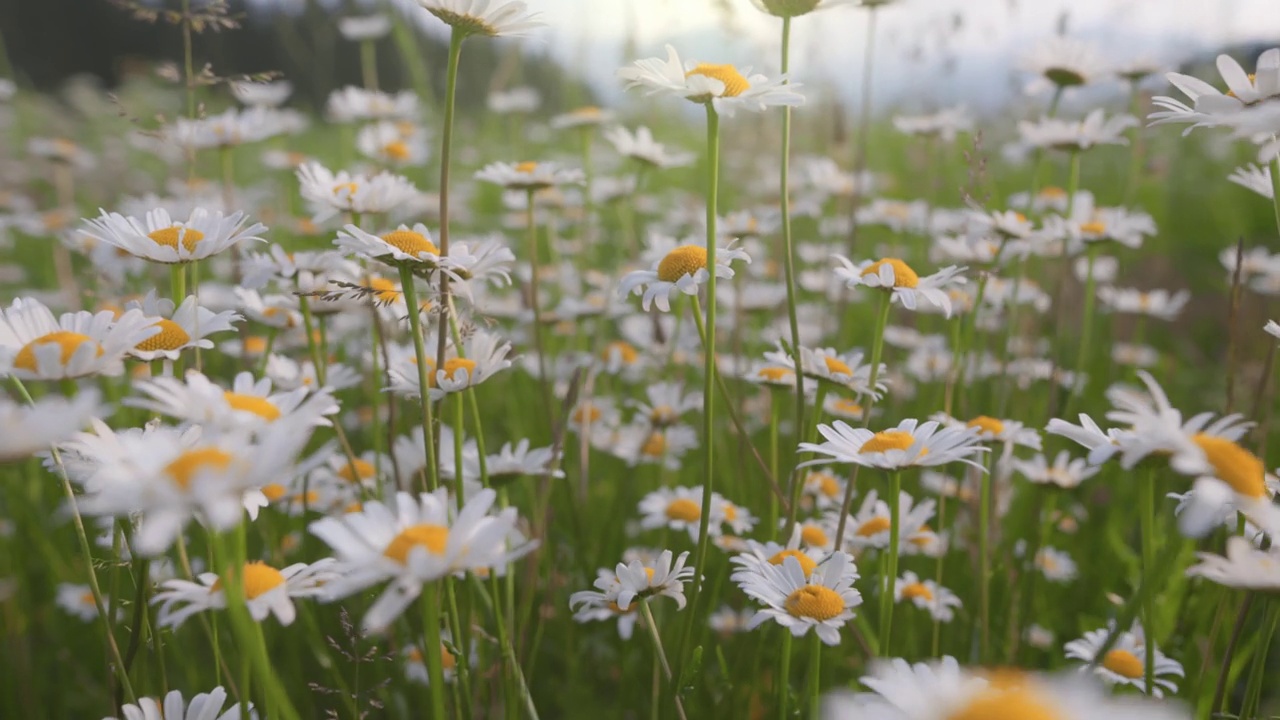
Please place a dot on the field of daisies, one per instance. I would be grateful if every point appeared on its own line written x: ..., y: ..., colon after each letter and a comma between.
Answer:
x: 723, y: 402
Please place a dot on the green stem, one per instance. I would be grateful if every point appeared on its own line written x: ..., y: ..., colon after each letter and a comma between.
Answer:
x: 369, y: 64
x: 889, y: 582
x: 431, y: 652
x: 788, y: 252
x: 984, y: 556
x: 815, y: 671
x: 784, y: 675
x: 877, y: 349
x: 1147, y: 520
x: 1253, y: 690
x: 432, y: 474
x: 662, y: 655
x: 446, y: 145
x: 1275, y: 188
x: 544, y: 383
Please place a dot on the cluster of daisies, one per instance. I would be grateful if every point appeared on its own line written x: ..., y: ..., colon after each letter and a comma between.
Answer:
x: 470, y: 398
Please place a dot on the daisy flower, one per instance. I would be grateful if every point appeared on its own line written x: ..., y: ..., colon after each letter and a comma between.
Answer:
x: 162, y: 239
x: 267, y: 591
x: 233, y: 127
x: 351, y: 103
x: 1257, y: 179
x: 403, y: 246
x: 205, y: 706
x: 263, y: 94
x: 724, y: 86
x: 1056, y: 565
x: 909, y: 444
x: 726, y: 621
x: 926, y: 595
x: 416, y: 541
x: 1209, y: 105
x: 593, y: 607
x: 393, y: 143
x: 641, y: 146
x: 186, y: 327
x: 1008, y: 432
x: 582, y: 117
x: 521, y: 99
x: 897, y: 277
x: 1244, y: 566
x: 485, y: 356
x: 822, y: 601
x: 1076, y: 135
x: 639, y: 580
x: 822, y: 490
x: 528, y: 175
x: 846, y: 370
x: 1064, y: 62
x: 415, y: 666
x: 358, y: 28
x: 329, y: 194
x: 683, y: 269
x: 77, y: 600
x: 34, y: 345
x: 516, y: 461
x: 1160, y: 304
x: 195, y: 398
x: 1065, y: 472
x: 492, y: 18
x: 869, y: 527
x: 677, y: 508
x: 1125, y: 662
x: 944, y: 124
x: 28, y: 429
x: 665, y: 403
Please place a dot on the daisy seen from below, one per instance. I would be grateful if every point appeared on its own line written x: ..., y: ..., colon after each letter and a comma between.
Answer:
x: 1065, y: 472
x: 162, y: 239
x: 529, y: 175
x: 330, y: 193
x: 927, y: 595
x: 491, y: 18
x: 1243, y: 566
x: 822, y: 600
x: 416, y: 540
x: 725, y: 87
x: 1125, y: 662
x: 34, y: 345
x: 28, y: 429
x: 188, y: 326
x: 593, y: 607
x: 1077, y: 135
x: 586, y: 116
x: 196, y: 398
x: 1211, y: 106
x: 641, y: 147
x: 895, y: 276
x: 1064, y: 62
x: 638, y: 580
x: 403, y: 247
x: 682, y: 270
x: 267, y: 591
x: 796, y: 8
x: 205, y: 706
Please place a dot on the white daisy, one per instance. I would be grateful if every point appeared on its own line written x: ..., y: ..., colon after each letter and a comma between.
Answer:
x: 1158, y: 303
x: 1257, y: 179
x: 582, y: 117
x: 393, y: 143
x: 359, y: 28
x: 1065, y: 472
x: 1076, y: 135
x: 159, y: 238
x: 28, y: 429
x: 529, y: 175
x: 78, y: 600
x: 492, y: 18
x: 205, y: 706
x: 267, y: 591
x: 1209, y: 105
x: 927, y: 595
x: 846, y: 370
x: 909, y: 444
x: 1125, y: 662
x: 683, y: 270
x: 665, y: 403
x: 265, y: 94
x: 1065, y: 62
x: 641, y: 146
x: 34, y: 345
x: 677, y: 508
x: 188, y: 326
x: 329, y: 194
x: 895, y: 276
x: 640, y: 579
x: 485, y: 356
x: 1056, y: 565
x: 248, y: 403
x: 822, y: 601
x: 351, y: 103
x: 724, y: 86
x: 593, y: 607
x: 1243, y: 566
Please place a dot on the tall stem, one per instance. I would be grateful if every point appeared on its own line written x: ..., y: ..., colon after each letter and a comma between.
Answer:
x: 788, y: 252
x: 889, y: 582
x: 432, y: 641
x: 662, y: 655
x: 877, y: 348
x: 984, y: 557
x: 446, y: 143
x: 1275, y: 188
x: 1147, y: 520
x: 815, y: 671
x: 864, y: 121
x: 784, y: 676
x: 369, y: 64
x: 535, y: 284
x: 420, y: 354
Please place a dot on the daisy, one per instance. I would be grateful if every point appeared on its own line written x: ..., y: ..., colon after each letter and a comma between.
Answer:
x: 61, y: 150
x: 641, y: 580
x: 485, y: 356
x: 1007, y: 432
x: 683, y: 269
x: 492, y: 18
x: 359, y: 28
x: 415, y: 666
x: 162, y: 239
x: 593, y: 607
x: 205, y: 706
x: 249, y: 403
x: 1064, y: 62
x: 726, y: 621
x: 822, y: 601
x: 268, y: 591
x: 1065, y: 472
x: 77, y: 600
x: 234, y: 127
x: 1076, y: 135
x: 869, y: 527
x: 393, y: 143
x: 34, y: 345
x: 416, y: 541
x: 846, y: 370
x: 529, y: 175
x: 28, y: 429
x: 724, y: 86
x: 944, y: 124
x: 519, y: 460
x: 822, y: 490
x: 665, y: 403
x: 289, y: 374
x: 677, y: 508
x: 1056, y: 565
x: 1244, y: 566
x: 1160, y: 304
x: 774, y: 554
x: 582, y: 117
x: 641, y: 146
x: 350, y: 104
x: 329, y: 193
x: 521, y: 99
x: 927, y: 595
x: 264, y: 94
x: 909, y: 444
x: 1257, y: 179
x: 1125, y: 662
x: 403, y: 246
x: 897, y: 277
x: 188, y: 326
x: 1209, y: 105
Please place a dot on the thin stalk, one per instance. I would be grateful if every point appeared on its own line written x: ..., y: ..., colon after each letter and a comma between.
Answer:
x: 1147, y: 520
x: 984, y: 557
x: 369, y: 64
x: 446, y: 144
x: 1253, y: 690
x: 544, y: 384
x: 432, y: 642
x: 877, y: 349
x: 815, y: 671
x: 662, y: 655
x: 788, y: 251
x: 784, y: 676
x: 1086, y: 326
x: 1275, y: 188
x: 424, y: 397
x: 888, y: 583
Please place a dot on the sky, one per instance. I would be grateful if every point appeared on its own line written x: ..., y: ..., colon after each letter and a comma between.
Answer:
x: 929, y: 53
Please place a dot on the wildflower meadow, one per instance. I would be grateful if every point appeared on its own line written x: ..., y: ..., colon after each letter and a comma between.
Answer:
x: 718, y: 395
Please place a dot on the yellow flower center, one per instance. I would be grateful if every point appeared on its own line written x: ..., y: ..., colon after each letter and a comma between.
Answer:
x: 734, y: 83
x: 432, y: 537
x: 1093, y: 227
x: 684, y: 260
x: 1252, y: 79
x: 527, y: 166
x: 448, y: 661
x: 170, y: 236
x: 775, y: 374
x: 836, y: 367
x: 1234, y: 465
x: 922, y: 539
x: 807, y: 564
x: 911, y: 591
x: 170, y: 337
x: 274, y: 491
x: 903, y: 275
x: 586, y: 111
x: 68, y: 341
x: 654, y: 446
x: 188, y: 466
x: 874, y: 526
x: 888, y: 440
x: 397, y: 150
x: 826, y: 483
x: 385, y: 292
x: 663, y: 415
x: 815, y: 602
x: 1123, y: 662
x: 621, y: 350
x: 1015, y: 703
x: 258, y: 579
x: 845, y: 406
x: 586, y: 413
x: 410, y: 242
x: 350, y: 187
x: 259, y: 406
x: 364, y: 470
x: 813, y: 536
x: 453, y: 366
x: 255, y: 345
x: 1053, y: 192
x: 987, y: 426
x: 683, y: 509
